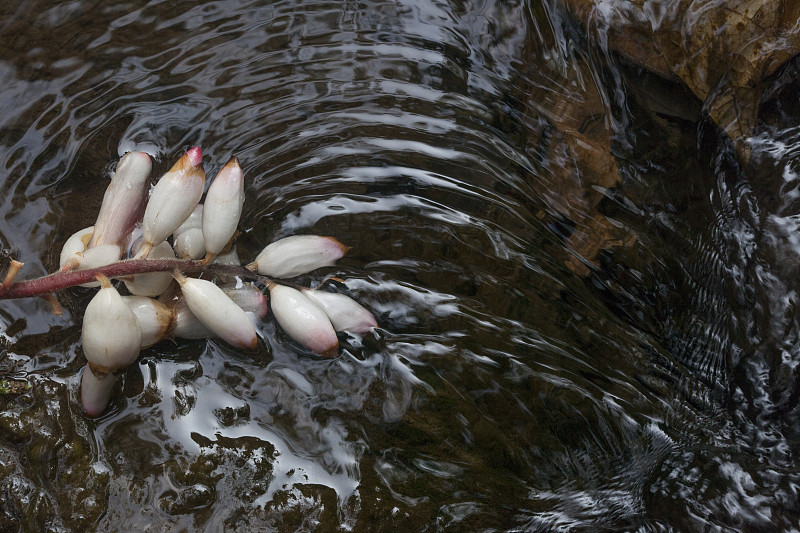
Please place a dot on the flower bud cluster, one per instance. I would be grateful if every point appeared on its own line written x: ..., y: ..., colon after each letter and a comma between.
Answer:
x: 169, y: 305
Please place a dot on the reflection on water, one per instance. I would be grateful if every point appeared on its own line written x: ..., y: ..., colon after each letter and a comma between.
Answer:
x: 571, y: 339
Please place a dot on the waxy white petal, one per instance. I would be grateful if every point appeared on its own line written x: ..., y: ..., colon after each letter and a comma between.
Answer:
x: 297, y: 255
x: 153, y: 316
x: 153, y: 283
x: 231, y: 257
x: 96, y: 391
x: 187, y: 326
x: 76, y: 244
x: 223, y: 207
x: 123, y: 200
x: 101, y: 255
x: 195, y: 221
x: 218, y: 312
x: 249, y: 298
x: 173, y: 199
x: 111, y: 335
x: 190, y: 244
x: 133, y: 242
x: 303, y: 320
x: 345, y: 313
x: 187, y: 240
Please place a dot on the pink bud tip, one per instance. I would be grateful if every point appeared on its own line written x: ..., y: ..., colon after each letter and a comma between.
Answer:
x: 195, y: 156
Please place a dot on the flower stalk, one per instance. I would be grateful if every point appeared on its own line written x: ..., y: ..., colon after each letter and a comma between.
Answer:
x: 63, y: 280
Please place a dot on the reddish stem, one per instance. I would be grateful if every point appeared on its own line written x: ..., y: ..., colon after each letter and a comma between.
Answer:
x: 63, y: 280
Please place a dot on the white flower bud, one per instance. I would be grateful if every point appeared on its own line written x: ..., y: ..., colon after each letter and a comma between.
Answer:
x: 218, y: 312
x: 187, y: 240
x: 133, y: 242
x: 228, y: 258
x: 345, y: 313
x: 111, y: 335
x: 152, y: 283
x: 101, y: 255
x: 189, y: 244
x: 173, y: 199
x: 153, y: 316
x: 297, y: 255
x: 303, y: 320
x: 223, y: 207
x: 195, y: 221
x: 76, y: 244
x: 96, y: 391
x: 187, y: 326
x: 123, y: 200
x: 249, y: 298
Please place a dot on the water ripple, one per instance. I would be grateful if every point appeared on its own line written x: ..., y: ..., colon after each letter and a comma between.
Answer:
x: 501, y: 391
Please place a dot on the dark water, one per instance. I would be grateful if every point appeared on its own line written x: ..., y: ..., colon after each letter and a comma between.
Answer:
x: 519, y: 381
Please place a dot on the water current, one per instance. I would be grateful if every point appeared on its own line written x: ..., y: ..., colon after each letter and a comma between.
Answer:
x: 557, y: 351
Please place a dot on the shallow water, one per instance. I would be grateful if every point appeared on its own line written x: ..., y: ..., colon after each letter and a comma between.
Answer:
x: 519, y: 381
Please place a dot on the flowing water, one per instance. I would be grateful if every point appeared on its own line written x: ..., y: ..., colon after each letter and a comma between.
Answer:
x: 521, y: 380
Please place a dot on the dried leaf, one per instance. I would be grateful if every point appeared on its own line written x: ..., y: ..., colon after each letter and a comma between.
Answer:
x: 722, y: 50
x: 581, y: 165
x: 591, y: 235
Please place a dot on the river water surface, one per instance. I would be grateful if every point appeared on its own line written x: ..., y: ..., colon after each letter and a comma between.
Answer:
x: 521, y: 379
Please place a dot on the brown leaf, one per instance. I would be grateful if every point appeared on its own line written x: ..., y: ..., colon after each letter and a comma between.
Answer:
x: 577, y: 150
x: 593, y: 234
x: 722, y: 50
